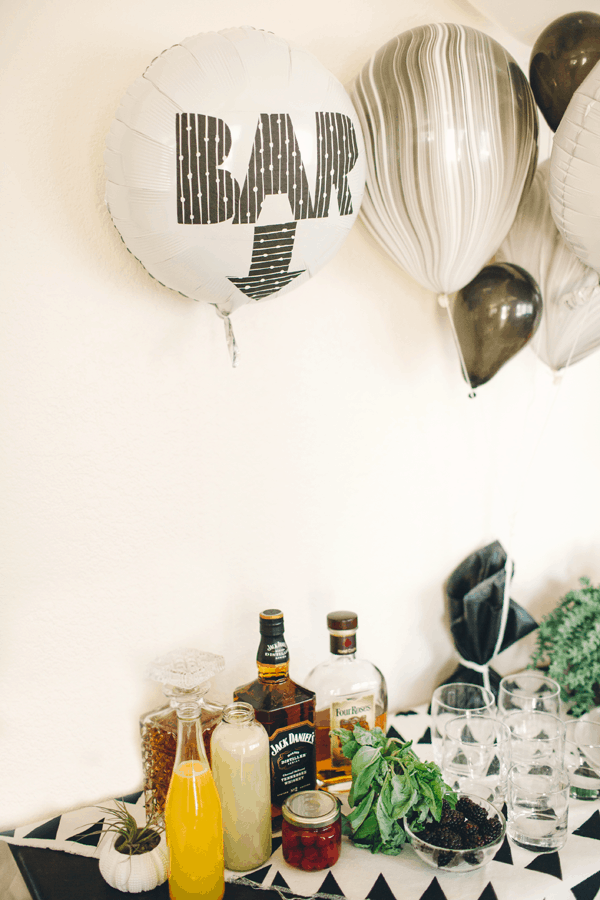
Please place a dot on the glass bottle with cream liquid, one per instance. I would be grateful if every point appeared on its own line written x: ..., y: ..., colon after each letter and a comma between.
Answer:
x: 242, y: 771
x: 350, y: 691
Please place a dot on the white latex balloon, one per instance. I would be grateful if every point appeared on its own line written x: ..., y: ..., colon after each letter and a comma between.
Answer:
x: 575, y: 172
x: 450, y: 128
x: 570, y: 326
x: 235, y: 167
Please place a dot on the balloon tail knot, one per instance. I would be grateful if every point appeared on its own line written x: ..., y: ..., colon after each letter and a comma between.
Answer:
x: 229, y: 337
x: 443, y: 300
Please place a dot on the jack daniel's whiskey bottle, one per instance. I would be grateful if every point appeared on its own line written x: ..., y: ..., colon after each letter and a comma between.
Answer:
x: 286, y: 710
x: 350, y: 691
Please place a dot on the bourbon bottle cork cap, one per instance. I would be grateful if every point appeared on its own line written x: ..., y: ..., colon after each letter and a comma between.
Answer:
x: 342, y: 620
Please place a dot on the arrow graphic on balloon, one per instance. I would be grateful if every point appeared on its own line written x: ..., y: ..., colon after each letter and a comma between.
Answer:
x: 271, y: 256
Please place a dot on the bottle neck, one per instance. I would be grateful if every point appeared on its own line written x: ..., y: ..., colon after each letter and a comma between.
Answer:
x: 273, y: 658
x: 177, y: 695
x: 239, y: 714
x: 342, y: 643
x: 190, y: 745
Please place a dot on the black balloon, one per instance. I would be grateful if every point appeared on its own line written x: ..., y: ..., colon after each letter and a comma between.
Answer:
x: 563, y: 55
x: 495, y: 315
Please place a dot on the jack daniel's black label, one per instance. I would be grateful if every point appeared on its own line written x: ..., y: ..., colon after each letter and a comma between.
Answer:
x: 272, y: 651
x: 292, y: 761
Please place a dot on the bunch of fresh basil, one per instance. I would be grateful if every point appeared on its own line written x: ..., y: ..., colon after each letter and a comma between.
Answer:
x: 389, y: 783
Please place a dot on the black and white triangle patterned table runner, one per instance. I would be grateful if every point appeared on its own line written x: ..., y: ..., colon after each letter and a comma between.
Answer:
x: 514, y: 874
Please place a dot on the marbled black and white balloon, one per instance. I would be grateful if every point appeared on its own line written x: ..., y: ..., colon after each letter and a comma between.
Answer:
x: 450, y: 127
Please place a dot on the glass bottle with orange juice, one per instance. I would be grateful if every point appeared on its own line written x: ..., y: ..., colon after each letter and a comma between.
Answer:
x: 193, y: 820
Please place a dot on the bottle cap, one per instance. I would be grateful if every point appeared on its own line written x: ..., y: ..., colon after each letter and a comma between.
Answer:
x: 271, y: 622
x: 185, y: 669
x: 342, y: 620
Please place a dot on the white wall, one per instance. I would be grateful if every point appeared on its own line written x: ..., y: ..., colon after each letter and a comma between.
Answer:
x: 155, y: 497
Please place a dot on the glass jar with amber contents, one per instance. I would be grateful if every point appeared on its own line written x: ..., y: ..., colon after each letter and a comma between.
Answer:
x: 311, y: 830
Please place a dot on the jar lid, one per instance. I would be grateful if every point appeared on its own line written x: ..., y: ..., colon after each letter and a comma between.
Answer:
x: 311, y: 809
x: 342, y: 620
x: 185, y: 669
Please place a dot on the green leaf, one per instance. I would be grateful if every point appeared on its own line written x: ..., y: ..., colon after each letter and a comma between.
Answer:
x: 365, y: 766
x: 345, y: 736
x: 379, y: 738
x: 350, y: 749
x: 358, y: 815
x: 368, y: 828
x: 384, y: 819
x: 363, y: 736
x: 365, y: 757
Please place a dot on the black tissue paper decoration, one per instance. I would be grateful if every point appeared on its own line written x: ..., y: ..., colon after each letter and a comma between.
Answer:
x: 475, y: 593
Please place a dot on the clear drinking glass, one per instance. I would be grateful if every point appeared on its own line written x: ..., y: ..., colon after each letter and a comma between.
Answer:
x: 536, y: 737
x: 476, y: 757
x: 582, y: 758
x: 528, y: 691
x: 458, y: 698
x: 538, y: 804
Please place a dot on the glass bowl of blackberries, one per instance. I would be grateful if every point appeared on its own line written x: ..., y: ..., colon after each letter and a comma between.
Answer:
x: 467, y: 836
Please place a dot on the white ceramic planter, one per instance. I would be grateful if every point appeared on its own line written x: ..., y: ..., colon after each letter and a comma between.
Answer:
x: 133, y: 874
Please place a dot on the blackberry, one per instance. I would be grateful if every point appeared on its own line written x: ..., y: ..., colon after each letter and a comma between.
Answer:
x: 474, y: 858
x: 492, y: 829
x: 471, y: 810
x: 428, y: 835
x: 469, y: 830
x: 444, y: 857
x: 448, y: 839
x: 452, y: 818
x: 476, y: 840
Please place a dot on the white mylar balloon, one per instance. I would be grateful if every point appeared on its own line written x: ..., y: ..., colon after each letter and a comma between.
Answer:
x: 235, y: 167
x: 575, y: 172
x: 570, y: 326
x: 450, y: 128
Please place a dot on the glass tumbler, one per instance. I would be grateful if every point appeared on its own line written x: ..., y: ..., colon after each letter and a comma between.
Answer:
x: 528, y: 691
x: 476, y: 757
x: 538, y: 805
x: 582, y: 758
x: 536, y: 737
x: 458, y: 698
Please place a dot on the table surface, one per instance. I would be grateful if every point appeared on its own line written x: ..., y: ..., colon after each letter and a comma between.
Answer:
x: 515, y: 874
x: 51, y: 875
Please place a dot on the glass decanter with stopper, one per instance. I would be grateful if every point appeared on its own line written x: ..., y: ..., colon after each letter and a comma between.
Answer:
x: 350, y: 691
x: 193, y: 818
x: 186, y: 676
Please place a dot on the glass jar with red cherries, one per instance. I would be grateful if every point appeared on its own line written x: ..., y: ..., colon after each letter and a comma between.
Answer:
x: 311, y: 830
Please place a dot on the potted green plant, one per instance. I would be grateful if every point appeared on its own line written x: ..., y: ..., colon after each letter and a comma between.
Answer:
x: 133, y: 858
x: 568, y: 647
